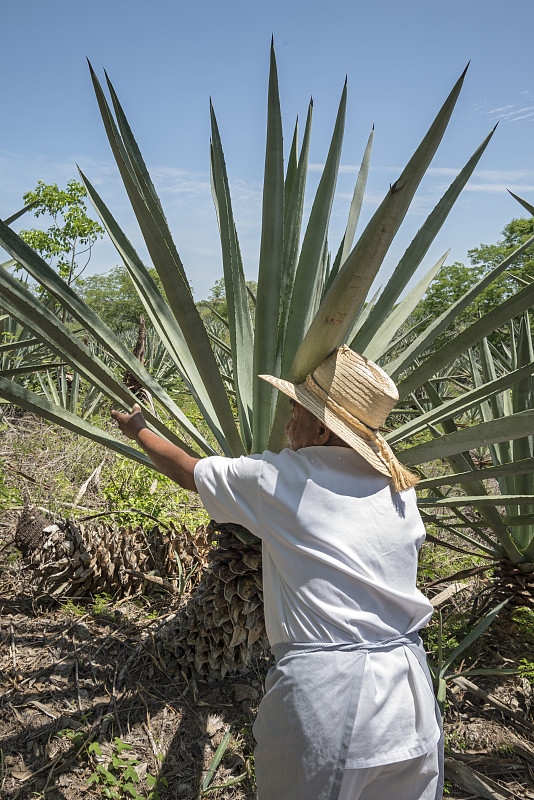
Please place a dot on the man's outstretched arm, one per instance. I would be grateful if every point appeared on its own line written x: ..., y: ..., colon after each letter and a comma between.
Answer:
x: 171, y: 460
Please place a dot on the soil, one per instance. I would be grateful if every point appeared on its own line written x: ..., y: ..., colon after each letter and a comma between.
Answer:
x: 75, y: 675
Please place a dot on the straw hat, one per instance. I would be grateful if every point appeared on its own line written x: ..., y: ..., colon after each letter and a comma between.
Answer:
x: 353, y: 397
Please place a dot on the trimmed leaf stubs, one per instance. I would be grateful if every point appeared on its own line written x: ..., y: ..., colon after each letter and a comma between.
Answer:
x: 222, y: 626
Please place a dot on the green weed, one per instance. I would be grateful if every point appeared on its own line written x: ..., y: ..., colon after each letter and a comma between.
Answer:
x: 73, y: 608
x: 13, y: 557
x: 132, y: 488
x: 524, y: 619
x: 526, y: 670
x: 119, y: 778
x: 102, y: 605
x: 9, y: 495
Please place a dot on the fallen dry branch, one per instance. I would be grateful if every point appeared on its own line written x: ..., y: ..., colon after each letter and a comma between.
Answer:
x: 468, y: 686
x: 472, y: 781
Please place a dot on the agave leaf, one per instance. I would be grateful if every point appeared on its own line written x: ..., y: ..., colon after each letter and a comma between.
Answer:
x: 518, y: 521
x: 142, y: 192
x: 216, y: 314
x: 349, y: 290
x: 219, y: 342
x: 498, y: 405
x: 134, y: 154
x: 461, y: 461
x: 354, y: 213
x: 270, y: 268
x: 216, y: 760
x: 357, y: 200
x: 74, y: 392
x: 477, y: 500
x: 18, y: 345
x: 472, y: 636
x: 58, y: 338
x: 36, y: 404
x: 302, y: 288
x: 524, y: 203
x: 251, y: 295
x: 395, y: 368
x: 8, y: 264
x: 311, y: 255
x: 522, y: 399
x: 159, y: 312
x: 441, y: 522
x: 460, y: 441
x: 62, y: 383
x: 514, y: 468
x: 292, y: 167
x: 292, y: 228
x: 491, y: 321
x: 528, y: 552
x: 501, y: 452
x: 28, y: 369
x: 240, y: 324
x: 363, y: 314
x: 17, y: 214
x: 416, y: 252
x: 458, y: 405
x: 165, y: 258
x: 48, y: 390
x: 475, y: 672
x: 396, y: 319
x: 460, y: 520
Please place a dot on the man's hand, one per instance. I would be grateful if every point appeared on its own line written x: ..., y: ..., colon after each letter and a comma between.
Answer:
x: 130, y: 424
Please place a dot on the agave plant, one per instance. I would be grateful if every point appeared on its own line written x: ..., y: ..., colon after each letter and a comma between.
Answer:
x: 21, y: 355
x: 504, y: 512
x: 307, y: 304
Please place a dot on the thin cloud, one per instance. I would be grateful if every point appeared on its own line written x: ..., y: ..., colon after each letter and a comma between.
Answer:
x: 493, y: 188
x: 343, y: 168
x: 512, y: 112
x: 500, y: 110
x: 176, y: 181
x: 494, y: 175
x: 354, y: 168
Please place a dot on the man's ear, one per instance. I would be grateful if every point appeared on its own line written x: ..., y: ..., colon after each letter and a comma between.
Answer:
x: 323, y: 434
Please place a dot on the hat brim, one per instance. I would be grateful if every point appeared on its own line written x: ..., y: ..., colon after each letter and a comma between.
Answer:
x: 367, y: 448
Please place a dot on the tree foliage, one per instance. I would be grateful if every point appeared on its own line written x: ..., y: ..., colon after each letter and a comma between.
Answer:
x: 114, y: 298
x: 71, y: 234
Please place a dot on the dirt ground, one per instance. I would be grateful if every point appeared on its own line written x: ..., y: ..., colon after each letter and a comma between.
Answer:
x: 73, y: 677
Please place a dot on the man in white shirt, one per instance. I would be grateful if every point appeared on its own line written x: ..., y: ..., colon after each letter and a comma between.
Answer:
x: 349, y: 712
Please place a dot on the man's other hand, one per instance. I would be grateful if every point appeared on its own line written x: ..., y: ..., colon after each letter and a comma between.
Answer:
x: 130, y: 424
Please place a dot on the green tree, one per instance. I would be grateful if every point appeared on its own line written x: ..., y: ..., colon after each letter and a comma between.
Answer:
x: 114, y: 298
x: 71, y: 234
x: 514, y: 234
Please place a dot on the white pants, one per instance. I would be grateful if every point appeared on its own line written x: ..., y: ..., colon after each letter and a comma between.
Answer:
x: 416, y: 779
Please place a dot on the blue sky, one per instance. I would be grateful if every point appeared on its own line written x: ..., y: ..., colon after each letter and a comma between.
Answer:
x: 167, y: 58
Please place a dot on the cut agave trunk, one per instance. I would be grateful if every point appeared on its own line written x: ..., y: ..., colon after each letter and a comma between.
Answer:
x: 222, y: 627
x: 515, y: 582
x: 72, y: 560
